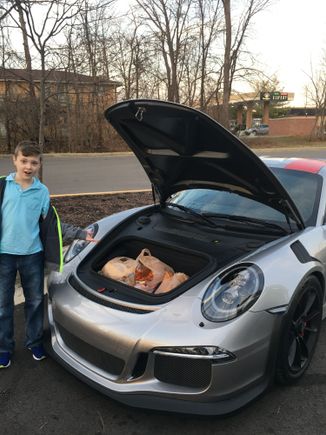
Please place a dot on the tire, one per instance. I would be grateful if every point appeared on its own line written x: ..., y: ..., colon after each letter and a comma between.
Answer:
x: 254, y: 133
x: 300, y: 333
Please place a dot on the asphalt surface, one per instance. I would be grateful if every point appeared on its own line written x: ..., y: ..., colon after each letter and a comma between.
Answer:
x: 43, y: 398
x: 89, y: 173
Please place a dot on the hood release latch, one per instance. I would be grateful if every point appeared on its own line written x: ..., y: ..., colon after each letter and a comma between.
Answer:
x: 140, y: 113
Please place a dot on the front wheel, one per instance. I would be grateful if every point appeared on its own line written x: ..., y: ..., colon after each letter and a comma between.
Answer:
x: 300, y: 332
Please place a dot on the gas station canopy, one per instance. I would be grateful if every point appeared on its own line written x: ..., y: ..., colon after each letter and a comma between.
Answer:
x: 256, y: 97
x: 248, y: 99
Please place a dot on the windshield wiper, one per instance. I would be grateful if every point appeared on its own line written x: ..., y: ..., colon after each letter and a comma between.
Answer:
x: 192, y: 212
x: 248, y: 220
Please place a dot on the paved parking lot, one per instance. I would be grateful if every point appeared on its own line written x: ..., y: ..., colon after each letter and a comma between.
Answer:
x: 43, y: 398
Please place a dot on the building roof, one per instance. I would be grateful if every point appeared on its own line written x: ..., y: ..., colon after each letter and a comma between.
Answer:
x: 53, y: 76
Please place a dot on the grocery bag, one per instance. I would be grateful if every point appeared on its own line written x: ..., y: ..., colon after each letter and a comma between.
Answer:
x: 121, y: 269
x: 149, y: 271
x: 170, y: 281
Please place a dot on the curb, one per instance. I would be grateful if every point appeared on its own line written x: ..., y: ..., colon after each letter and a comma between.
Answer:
x: 111, y: 192
x: 289, y: 148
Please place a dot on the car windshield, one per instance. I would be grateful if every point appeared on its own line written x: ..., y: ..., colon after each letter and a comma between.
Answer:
x: 304, y: 189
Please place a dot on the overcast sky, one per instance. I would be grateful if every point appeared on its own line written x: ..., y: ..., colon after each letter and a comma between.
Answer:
x: 290, y: 37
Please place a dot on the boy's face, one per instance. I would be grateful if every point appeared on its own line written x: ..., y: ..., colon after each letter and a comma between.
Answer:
x: 26, y: 166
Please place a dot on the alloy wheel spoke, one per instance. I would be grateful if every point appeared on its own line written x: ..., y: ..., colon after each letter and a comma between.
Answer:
x: 309, y: 329
x: 295, y: 324
x: 301, y: 354
x: 292, y: 352
x: 312, y: 315
x: 309, y: 303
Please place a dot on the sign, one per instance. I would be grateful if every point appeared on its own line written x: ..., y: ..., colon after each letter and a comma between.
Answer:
x: 274, y: 96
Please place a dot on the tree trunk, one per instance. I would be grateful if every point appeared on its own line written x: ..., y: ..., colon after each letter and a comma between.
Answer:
x: 224, y: 118
x: 42, y: 111
x: 29, y: 70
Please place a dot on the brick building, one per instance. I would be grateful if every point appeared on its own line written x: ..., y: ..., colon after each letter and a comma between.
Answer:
x: 292, y: 126
x: 74, y: 108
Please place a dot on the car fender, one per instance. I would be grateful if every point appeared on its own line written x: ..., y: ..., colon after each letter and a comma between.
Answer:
x: 283, y: 278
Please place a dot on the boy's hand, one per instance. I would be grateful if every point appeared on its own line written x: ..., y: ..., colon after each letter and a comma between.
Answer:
x: 89, y: 237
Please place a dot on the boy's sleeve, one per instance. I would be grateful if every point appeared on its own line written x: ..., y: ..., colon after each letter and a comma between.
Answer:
x: 70, y: 232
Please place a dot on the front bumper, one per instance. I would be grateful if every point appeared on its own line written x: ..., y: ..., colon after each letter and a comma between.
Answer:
x: 113, y: 352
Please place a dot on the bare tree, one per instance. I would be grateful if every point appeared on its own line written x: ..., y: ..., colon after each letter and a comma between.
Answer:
x: 132, y: 57
x: 235, y: 35
x: 202, y: 63
x: 210, y: 27
x: 56, y: 14
x: 90, y: 36
x: 169, y: 19
x: 67, y: 109
x: 316, y: 93
x: 9, y: 59
x: 89, y: 44
x: 5, y: 9
x: 189, y: 51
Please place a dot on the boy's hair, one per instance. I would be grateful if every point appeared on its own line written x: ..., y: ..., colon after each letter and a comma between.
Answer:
x: 28, y: 148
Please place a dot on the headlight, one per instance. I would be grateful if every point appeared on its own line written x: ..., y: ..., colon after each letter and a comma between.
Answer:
x: 232, y: 293
x: 78, y: 245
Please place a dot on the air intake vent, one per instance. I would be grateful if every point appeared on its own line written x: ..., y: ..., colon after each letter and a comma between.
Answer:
x: 187, y: 372
x: 97, y: 357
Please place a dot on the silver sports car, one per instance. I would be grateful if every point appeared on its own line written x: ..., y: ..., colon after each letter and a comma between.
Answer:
x: 248, y: 238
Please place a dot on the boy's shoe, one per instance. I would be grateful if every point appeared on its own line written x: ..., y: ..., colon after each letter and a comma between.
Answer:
x: 5, y: 360
x: 38, y: 352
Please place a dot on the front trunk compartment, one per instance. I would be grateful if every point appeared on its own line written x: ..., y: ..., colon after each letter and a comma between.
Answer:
x: 187, y: 245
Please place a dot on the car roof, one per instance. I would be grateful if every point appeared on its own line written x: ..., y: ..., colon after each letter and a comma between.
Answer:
x: 296, y: 164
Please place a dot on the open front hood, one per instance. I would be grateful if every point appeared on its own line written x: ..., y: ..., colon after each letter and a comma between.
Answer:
x: 182, y: 148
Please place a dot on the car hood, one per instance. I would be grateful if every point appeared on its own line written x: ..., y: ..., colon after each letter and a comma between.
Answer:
x: 183, y: 148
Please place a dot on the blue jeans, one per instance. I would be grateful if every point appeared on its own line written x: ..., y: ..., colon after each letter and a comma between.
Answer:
x: 31, y: 271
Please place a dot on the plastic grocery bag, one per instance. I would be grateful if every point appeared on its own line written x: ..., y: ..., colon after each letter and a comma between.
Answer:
x: 149, y: 271
x: 170, y: 281
x: 121, y: 269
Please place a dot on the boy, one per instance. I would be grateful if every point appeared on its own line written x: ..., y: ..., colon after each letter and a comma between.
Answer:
x: 29, y: 226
